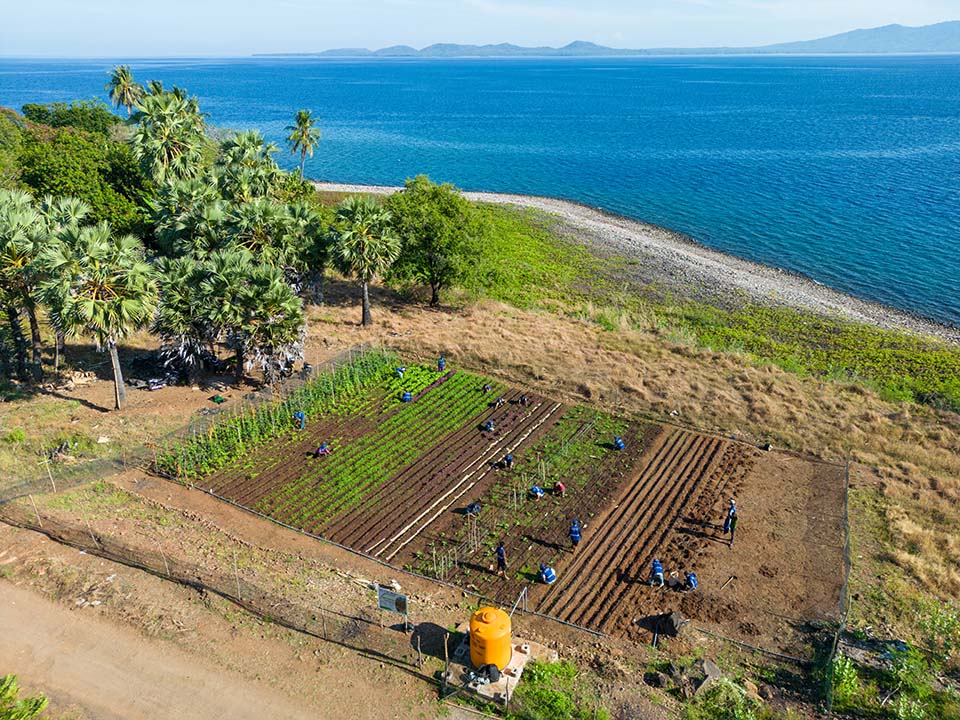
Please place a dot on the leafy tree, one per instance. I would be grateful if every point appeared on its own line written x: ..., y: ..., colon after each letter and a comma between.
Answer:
x: 438, y: 230
x: 92, y: 116
x: 124, y: 91
x: 304, y: 136
x: 246, y: 169
x: 23, y: 709
x: 99, y: 286
x: 10, y: 143
x: 67, y: 163
x: 366, y: 245
x: 169, y: 139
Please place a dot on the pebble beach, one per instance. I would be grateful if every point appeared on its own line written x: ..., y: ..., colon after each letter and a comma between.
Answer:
x: 683, y: 262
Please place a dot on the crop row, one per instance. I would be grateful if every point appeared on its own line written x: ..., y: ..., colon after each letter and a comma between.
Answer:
x: 235, y: 434
x: 339, y: 482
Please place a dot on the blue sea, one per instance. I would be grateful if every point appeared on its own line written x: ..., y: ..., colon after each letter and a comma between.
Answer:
x: 843, y: 169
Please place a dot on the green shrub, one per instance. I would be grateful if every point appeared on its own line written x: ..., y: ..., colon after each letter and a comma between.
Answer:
x: 724, y: 700
x: 17, y: 435
x: 549, y: 691
x: 844, y: 679
x: 906, y: 709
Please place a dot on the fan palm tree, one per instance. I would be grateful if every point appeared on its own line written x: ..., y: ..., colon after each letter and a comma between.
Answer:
x: 21, y: 236
x: 169, y: 139
x: 304, y: 136
x: 62, y: 215
x: 100, y: 286
x: 186, y: 332
x: 123, y: 90
x: 366, y: 245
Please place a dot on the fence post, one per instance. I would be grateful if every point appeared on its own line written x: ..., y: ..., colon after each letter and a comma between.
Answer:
x: 236, y: 574
x: 323, y: 621
x: 446, y: 664
x: 39, y: 521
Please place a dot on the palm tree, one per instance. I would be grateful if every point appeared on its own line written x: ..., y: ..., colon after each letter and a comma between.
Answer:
x: 62, y: 215
x: 21, y: 236
x: 100, y: 286
x: 123, y: 90
x: 169, y: 139
x: 366, y: 246
x: 304, y: 136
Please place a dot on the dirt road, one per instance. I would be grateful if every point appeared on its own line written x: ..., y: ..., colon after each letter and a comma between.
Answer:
x: 78, y: 659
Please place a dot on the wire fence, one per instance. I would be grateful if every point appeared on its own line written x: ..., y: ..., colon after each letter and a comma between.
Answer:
x: 844, y: 602
x: 56, y: 471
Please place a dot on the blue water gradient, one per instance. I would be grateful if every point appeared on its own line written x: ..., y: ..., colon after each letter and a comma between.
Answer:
x: 846, y: 170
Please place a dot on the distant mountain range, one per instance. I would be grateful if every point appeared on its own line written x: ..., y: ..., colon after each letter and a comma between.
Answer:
x: 940, y: 38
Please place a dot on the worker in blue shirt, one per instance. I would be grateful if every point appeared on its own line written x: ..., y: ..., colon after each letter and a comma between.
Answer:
x: 656, y: 573
x: 618, y: 442
x: 489, y: 425
x: 575, y: 533
x: 406, y: 396
x: 300, y: 419
x: 473, y: 508
x: 322, y: 449
x: 547, y: 574
x: 441, y: 364
x: 508, y: 461
x: 401, y: 370
x: 536, y: 492
x: 690, y: 581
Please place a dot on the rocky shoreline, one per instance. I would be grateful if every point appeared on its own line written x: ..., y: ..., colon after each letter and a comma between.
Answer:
x: 687, y: 263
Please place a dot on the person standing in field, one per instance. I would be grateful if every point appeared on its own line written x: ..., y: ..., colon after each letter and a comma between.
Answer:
x: 574, y: 534
x: 501, y: 560
x: 731, y: 511
x: 441, y: 363
x: 733, y: 526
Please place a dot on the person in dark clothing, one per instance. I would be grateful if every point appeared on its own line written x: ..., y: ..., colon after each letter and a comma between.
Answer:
x: 523, y: 400
x: 575, y: 534
x: 501, y: 560
x: 508, y: 461
x: 473, y: 508
x: 500, y: 402
x: 488, y: 426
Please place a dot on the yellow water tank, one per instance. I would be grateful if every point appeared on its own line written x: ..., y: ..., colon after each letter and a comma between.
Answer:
x: 490, y: 638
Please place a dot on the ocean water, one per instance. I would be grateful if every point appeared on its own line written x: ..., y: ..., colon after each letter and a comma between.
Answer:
x: 843, y: 169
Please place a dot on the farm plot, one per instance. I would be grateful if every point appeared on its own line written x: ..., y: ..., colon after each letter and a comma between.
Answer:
x: 603, y: 588
x: 576, y: 450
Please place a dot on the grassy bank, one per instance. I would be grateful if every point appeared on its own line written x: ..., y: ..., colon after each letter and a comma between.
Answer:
x: 526, y: 265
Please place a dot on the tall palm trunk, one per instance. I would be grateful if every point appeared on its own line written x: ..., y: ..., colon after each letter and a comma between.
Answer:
x: 367, y: 318
x: 238, y: 370
x: 119, y: 389
x: 58, y: 351
x: 37, y: 341
x: 303, y: 160
x: 19, y: 341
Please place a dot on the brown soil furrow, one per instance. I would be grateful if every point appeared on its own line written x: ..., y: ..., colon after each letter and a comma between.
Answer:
x: 566, y: 591
x: 639, y: 523
x: 654, y: 542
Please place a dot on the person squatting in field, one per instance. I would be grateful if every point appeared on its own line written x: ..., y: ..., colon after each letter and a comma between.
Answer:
x: 301, y: 420
x: 656, y: 573
x: 322, y: 450
x: 547, y: 574
x: 536, y: 492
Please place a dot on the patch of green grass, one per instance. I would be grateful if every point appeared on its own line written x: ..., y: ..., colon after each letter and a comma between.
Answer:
x: 555, y: 691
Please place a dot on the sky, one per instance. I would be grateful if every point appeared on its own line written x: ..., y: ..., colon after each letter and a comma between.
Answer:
x: 235, y: 28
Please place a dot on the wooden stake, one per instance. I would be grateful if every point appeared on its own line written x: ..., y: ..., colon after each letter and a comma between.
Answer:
x: 236, y: 574
x: 446, y: 663
x: 323, y: 622
x: 165, y: 564
x: 47, y: 465
x: 39, y: 522
x: 419, y: 654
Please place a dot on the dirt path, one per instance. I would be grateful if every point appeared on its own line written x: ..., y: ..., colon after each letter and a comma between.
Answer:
x: 80, y: 659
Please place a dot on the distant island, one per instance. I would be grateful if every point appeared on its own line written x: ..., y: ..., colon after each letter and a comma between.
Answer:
x: 890, y: 39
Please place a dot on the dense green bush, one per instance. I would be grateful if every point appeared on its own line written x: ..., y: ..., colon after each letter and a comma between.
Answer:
x: 92, y: 116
